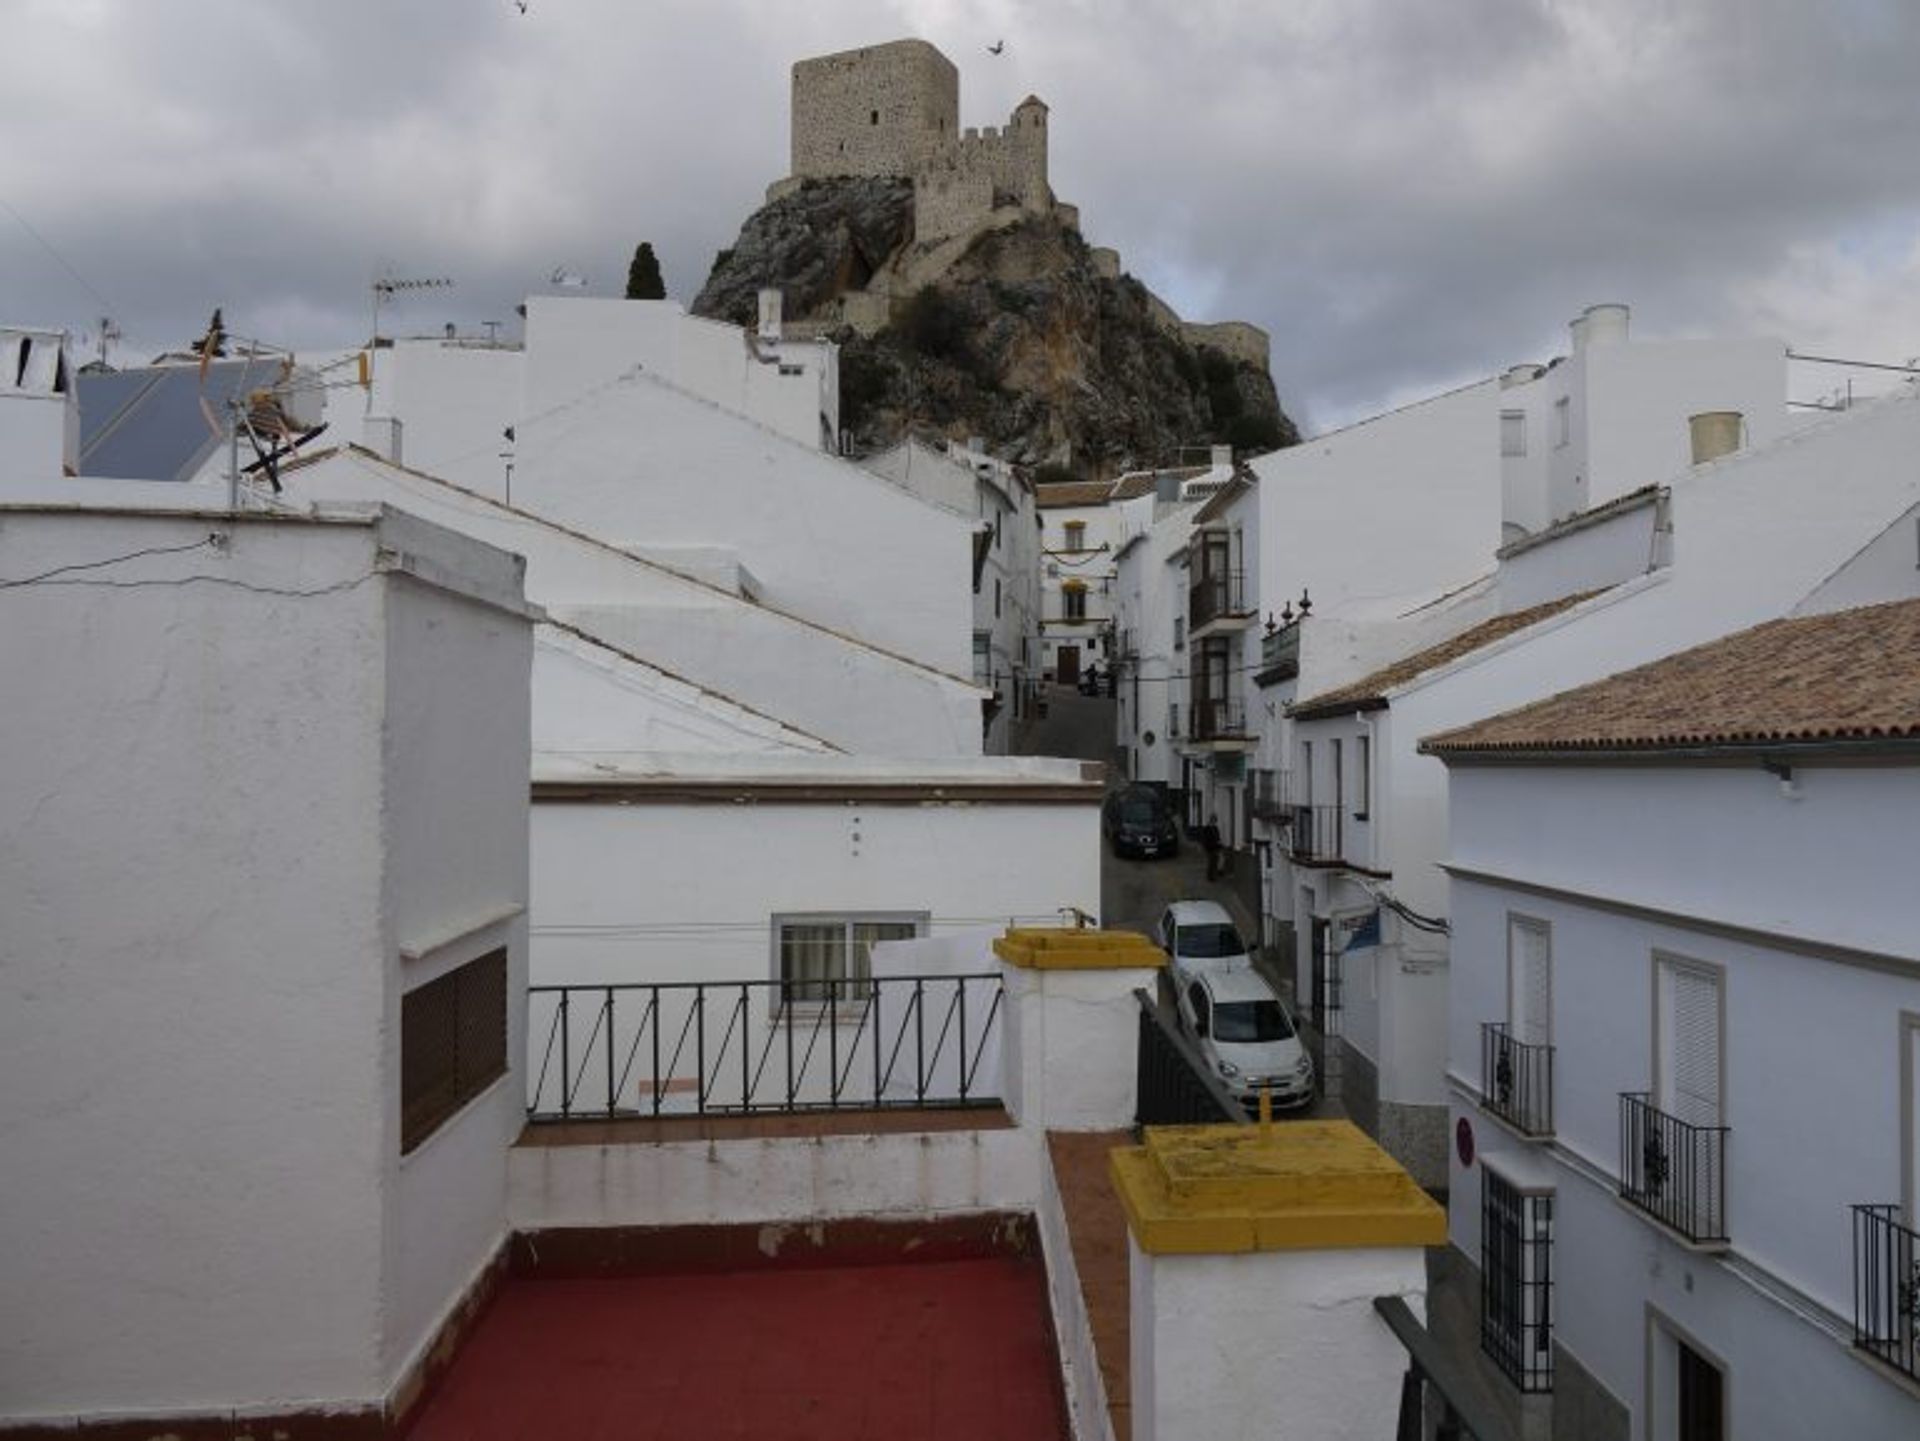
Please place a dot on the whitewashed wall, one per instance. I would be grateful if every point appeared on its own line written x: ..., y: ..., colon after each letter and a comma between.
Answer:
x: 1821, y: 867
x: 209, y: 875
x: 834, y: 688
x: 689, y: 892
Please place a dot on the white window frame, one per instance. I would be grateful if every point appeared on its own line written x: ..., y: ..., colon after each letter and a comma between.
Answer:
x: 1716, y: 975
x: 1517, y: 923
x: 1363, y: 775
x: 848, y: 1004
x: 1513, y: 433
x: 1563, y: 422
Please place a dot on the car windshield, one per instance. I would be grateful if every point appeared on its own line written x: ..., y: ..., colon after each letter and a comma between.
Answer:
x: 1139, y: 811
x: 1250, y: 1021
x: 1208, y: 941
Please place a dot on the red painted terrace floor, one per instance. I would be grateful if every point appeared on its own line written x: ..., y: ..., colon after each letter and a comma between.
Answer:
x: 936, y: 1351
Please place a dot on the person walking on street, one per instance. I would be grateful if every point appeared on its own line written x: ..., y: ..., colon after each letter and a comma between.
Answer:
x: 1210, y: 842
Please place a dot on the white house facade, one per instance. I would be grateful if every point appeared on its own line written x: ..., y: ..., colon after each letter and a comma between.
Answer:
x: 1684, y: 1040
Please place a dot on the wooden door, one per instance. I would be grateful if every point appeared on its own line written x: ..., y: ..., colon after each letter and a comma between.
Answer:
x: 1067, y: 665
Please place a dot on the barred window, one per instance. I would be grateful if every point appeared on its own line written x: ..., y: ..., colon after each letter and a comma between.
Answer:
x: 828, y: 959
x: 453, y: 1044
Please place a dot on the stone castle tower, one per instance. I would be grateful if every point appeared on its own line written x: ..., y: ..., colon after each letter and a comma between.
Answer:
x: 894, y: 110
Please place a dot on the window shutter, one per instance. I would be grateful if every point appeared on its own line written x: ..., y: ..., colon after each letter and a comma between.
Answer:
x: 1530, y: 985
x: 1692, y: 1082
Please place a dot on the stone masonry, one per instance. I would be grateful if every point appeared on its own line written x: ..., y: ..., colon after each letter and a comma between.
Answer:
x: 894, y: 110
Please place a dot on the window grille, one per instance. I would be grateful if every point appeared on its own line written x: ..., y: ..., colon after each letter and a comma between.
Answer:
x: 1516, y: 1281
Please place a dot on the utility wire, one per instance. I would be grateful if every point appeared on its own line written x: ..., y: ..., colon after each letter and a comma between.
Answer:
x: 59, y: 259
x: 206, y: 543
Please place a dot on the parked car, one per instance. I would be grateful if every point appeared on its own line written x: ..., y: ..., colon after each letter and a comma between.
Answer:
x: 1138, y: 822
x: 1200, y: 936
x: 1245, y: 1033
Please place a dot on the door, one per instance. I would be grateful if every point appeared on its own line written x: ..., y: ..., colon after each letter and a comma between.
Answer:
x: 1702, y: 1408
x: 1067, y: 665
x: 1910, y: 1115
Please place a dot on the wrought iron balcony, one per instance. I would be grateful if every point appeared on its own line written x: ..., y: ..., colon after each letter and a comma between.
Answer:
x: 1516, y: 1080
x: 1279, y: 655
x: 1220, y: 595
x: 1886, y: 1288
x: 1674, y: 1171
x: 699, y: 1047
x: 1318, y: 834
x: 1270, y: 796
x: 1219, y: 720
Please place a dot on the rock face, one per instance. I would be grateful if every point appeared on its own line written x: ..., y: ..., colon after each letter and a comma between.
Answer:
x: 1014, y: 334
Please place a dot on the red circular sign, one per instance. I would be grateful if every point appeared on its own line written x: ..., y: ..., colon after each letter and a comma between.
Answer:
x: 1463, y: 1141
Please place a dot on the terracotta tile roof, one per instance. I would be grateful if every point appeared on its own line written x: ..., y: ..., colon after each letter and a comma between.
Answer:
x: 1073, y: 492
x: 1370, y: 692
x: 1853, y: 675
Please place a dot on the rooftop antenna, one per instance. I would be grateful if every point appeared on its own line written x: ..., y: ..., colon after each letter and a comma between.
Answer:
x: 109, y: 332
x: 385, y: 288
x: 565, y: 279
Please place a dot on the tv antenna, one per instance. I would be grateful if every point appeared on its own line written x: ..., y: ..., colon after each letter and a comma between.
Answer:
x: 109, y: 332
x: 385, y: 288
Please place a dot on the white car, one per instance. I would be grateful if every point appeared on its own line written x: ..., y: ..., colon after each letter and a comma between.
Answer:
x: 1245, y: 1034
x: 1200, y: 936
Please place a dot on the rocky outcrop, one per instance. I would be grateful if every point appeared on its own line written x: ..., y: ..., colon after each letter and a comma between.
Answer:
x: 1015, y: 334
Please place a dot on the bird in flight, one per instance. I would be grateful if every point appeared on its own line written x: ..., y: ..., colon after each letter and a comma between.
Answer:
x: 996, y: 47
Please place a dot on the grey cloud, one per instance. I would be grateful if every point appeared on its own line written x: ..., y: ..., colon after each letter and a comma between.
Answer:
x: 1405, y: 194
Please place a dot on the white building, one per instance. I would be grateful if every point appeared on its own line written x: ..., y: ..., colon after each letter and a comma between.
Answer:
x: 998, y: 500
x: 1079, y: 533
x: 1150, y: 686
x: 1684, y: 1039
x: 263, y: 828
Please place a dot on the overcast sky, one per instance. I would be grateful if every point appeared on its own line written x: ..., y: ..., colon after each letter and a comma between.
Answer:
x: 1406, y: 193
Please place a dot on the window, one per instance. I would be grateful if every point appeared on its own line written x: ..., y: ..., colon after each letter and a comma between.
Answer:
x: 1516, y: 1280
x: 1076, y: 535
x: 827, y: 959
x: 1513, y: 432
x: 1073, y: 601
x: 982, y: 655
x: 1179, y: 632
x: 1687, y: 1057
x: 453, y: 1044
x: 1529, y: 981
x: 1337, y: 753
x: 873, y: 117
x: 1363, y: 780
x: 1562, y: 422
x: 996, y: 599
x: 1173, y: 716
x: 1306, y: 773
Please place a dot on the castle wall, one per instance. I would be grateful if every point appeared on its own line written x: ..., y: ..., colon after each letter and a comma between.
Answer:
x: 882, y: 110
x: 1246, y: 343
x: 958, y: 187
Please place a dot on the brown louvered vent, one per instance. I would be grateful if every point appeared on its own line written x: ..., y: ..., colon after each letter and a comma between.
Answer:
x: 453, y: 1043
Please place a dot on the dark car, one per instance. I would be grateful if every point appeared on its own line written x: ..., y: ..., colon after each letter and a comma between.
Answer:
x: 1138, y: 822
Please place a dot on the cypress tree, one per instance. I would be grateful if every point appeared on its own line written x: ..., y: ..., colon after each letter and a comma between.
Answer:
x: 643, y: 276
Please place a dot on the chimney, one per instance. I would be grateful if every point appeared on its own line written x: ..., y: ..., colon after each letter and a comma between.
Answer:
x: 39, y: 412
x: 1606, y: 324
x: 1223, y: 457
x: 381, y: 435
x: 1714, y: 433
x: 976, y: 448
x: 770, y: 314
x: 1521, y: 375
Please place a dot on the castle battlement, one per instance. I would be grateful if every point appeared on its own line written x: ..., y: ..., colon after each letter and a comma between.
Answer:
x: 894, y: 110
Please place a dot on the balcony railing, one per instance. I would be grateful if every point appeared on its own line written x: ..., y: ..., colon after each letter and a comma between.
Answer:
x: 1886, y: 1288
x: 1674, y: 1171
x: 1318, y: 833
x: 1516, y: 1080
x: 1270, y: 789
x: 1173, y: 1085
x: 1279, y: 655
x: 1219, y: 720
x: 705, y: 1047
x: 1216, y: 596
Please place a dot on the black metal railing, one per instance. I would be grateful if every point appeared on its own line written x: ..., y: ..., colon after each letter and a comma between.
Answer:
x: 1516, y: 1080
x: 1214, y: 596
x: 1440, y: 1397
x: 1886, y: 1288
x: 1516, y: 1281
x: 1270, y: 789
x: 706, y: 1047
x: 1172, y: 1083
x: 1318, y: 833
x: 1279, y: 655
x: 1218, y: 719
x: 1672, y: 1170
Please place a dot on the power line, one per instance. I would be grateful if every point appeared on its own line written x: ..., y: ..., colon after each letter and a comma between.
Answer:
x: 205, y: 543
x: 59, y: 259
